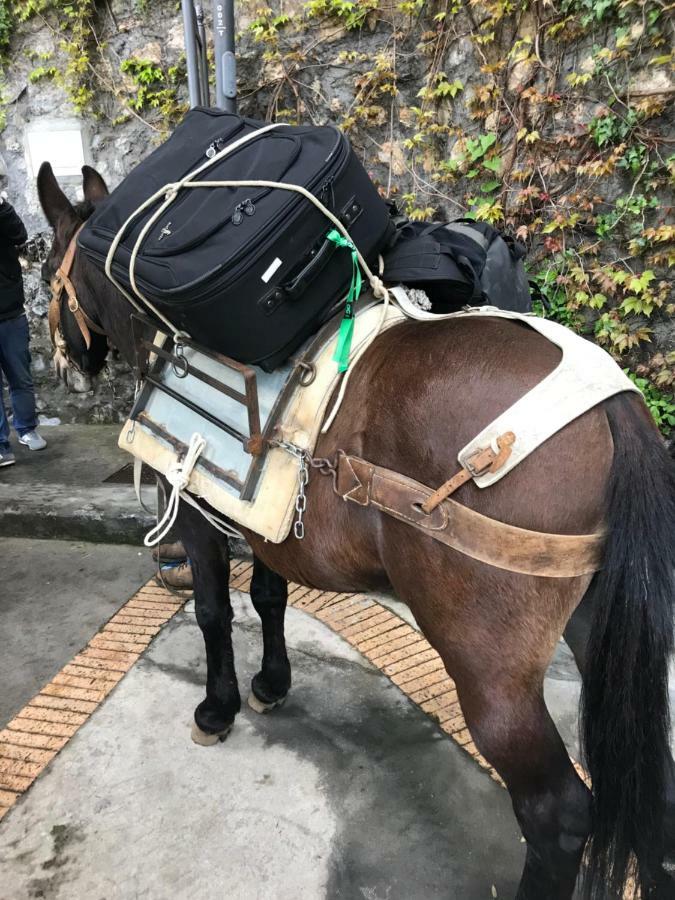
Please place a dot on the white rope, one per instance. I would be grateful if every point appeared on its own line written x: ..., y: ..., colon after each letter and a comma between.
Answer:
x: 178, y: 476
x: 214, y: 520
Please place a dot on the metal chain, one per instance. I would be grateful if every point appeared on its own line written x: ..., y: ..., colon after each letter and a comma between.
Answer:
x: 301, y: 499
x: 305, y: 460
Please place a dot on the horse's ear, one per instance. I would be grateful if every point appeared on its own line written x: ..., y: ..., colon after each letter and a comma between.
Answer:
x: 55, y: 205
x: 93, y: 185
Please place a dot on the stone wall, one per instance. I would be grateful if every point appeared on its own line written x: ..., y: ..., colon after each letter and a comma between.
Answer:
x: 417, y: 86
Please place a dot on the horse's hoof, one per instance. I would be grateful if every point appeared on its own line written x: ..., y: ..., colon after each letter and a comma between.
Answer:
x: 204, y: 739
x: 260, y: 706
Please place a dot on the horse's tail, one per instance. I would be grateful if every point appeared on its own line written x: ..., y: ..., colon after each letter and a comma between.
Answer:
x: 625, y: 712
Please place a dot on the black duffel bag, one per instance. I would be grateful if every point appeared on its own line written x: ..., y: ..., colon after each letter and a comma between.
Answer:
x: 458, y: 264
x: 245, y: 271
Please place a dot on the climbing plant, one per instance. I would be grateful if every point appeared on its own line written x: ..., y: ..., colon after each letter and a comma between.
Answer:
x: 81, y: 62
x: 551, y: 120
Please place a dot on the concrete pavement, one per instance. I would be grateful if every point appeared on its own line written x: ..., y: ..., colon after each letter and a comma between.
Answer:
x: 348, y: 791
x: 54, y: 596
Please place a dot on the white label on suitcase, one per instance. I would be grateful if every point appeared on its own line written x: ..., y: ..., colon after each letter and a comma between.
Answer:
x: 270, y: 270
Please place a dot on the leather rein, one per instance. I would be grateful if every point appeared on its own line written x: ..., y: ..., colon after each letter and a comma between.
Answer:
x: 61, y: 284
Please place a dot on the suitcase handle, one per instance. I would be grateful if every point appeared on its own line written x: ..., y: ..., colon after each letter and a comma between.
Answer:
x: 320, y: 258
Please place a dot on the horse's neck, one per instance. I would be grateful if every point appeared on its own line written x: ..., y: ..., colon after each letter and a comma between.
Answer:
x: 106, y: 306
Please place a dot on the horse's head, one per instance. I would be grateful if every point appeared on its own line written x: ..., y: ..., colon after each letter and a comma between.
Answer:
x: 79, y: 342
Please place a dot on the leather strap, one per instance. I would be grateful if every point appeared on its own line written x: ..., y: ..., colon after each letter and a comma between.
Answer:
x: 60, y: 283
x: 487, y: 540
x: 481, y: 461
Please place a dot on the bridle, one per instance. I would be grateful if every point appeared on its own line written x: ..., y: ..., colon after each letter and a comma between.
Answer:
x: 61, y: 284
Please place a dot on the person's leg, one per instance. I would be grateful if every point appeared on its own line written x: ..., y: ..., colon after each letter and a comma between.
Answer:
x: 16, y: 363
x: 4, y: 422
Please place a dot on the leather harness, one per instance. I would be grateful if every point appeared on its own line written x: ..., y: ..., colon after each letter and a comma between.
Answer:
x: 482, y: 538
x: 60, y: 283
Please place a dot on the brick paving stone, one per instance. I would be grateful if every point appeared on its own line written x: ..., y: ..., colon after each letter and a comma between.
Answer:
x: 27, y: 754
x: 50, y: 729
x: 327, y: 613
x: 323, y: 600
x: 409, y: 661
x: 16, y: 783
x: 124, y: 628
x: 365, y: 630
x: 105, y: 643
x: 19, y: 767
x: 330, y: 599
x: 419, y: 695
x: 103, y: 665
x: 64, y: 703
x: 363, y: 614
x: 40, y: 741
x: 462, y: 737
x: 360, y: 638
x: 442, y: 703
x: 428, y: 680
x: 339, y: 602
x: 7, y: 798
x: 139, y: 610
x: 122, y: 657
x: 156, y: 590
x: 397, y: 632
x: 141, y: 613
x: 295, y: 595
x: 430, y: 667
x: 64, y: 690
x: 395, y: 645
x: 453, y: 723
x: 92, y: 674
x: 44, y: 714
x: 309, y: 597
x: 87, y: 684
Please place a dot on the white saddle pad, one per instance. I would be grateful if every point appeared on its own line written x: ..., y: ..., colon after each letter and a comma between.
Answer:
x: 271, y: 511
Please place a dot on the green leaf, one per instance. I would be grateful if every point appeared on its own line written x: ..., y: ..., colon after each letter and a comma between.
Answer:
x: 494, y: 164
x: 490, y: 186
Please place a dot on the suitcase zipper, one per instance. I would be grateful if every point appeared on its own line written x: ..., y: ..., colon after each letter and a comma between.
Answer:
x: 245, y: 208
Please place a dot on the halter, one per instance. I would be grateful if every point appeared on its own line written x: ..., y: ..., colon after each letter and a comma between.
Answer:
x: 61, y: 282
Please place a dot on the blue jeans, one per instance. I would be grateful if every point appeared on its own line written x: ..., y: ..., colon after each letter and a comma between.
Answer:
x: 15, y: 366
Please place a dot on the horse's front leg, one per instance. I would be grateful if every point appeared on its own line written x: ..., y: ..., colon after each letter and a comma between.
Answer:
x: 209, y: 554
x: 269, y: 593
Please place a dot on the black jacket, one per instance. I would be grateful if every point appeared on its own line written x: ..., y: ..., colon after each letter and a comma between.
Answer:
x: 12, y: 236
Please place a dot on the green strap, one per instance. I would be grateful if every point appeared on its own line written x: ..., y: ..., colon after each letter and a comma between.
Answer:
x: 344, y: 341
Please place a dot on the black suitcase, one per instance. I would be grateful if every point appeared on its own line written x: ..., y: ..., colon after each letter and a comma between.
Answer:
x: 245, y: 271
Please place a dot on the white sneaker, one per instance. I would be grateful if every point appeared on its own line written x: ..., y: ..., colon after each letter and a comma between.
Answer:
x: 7, y: 458
x: 32, y: 440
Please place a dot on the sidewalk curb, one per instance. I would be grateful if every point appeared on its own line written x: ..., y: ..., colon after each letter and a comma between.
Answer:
x: 104, y: 514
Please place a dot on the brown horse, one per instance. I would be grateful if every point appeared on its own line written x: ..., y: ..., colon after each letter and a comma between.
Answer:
x: 418, y: 395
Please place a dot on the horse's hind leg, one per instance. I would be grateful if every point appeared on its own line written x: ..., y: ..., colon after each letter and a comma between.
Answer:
x: 269, y: 593
x: 209, y: 555
x: 496, y: 634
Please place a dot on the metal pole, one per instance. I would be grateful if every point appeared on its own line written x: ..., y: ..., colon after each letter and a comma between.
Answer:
x: 226, y: 66
x: 191, y: 52
x: 203, y: 61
